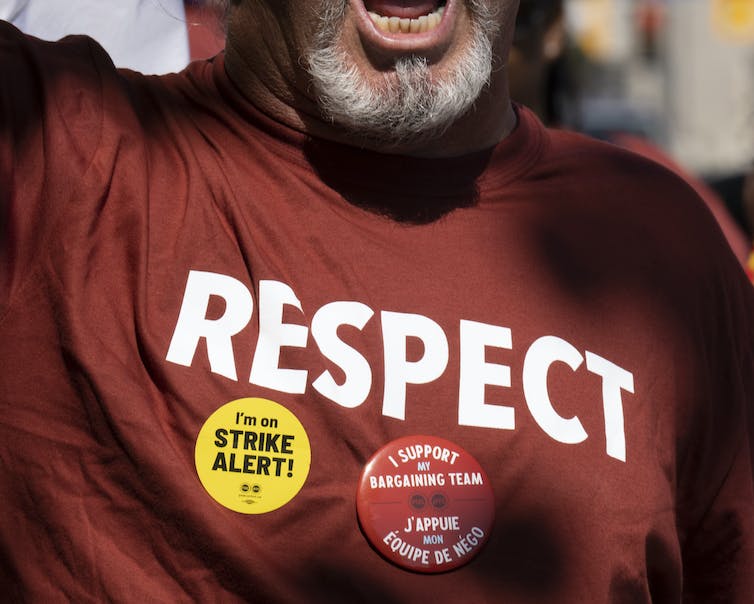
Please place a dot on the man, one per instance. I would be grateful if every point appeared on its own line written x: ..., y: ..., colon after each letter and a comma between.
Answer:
x: 328, y: 319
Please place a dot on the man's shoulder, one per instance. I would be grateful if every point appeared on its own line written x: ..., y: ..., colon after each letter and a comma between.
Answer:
x: 604, y: 166
x: 73, y: 94
x: 604, y: 187
x: 39, y: 74
x: 602, y: 153
x: 71, y: 56
x: 51, y: 85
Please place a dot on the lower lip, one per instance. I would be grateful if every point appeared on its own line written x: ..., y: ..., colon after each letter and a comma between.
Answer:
x: 398, y: 43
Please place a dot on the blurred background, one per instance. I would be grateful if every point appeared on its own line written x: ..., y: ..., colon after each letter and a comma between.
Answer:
x: 679, y: 73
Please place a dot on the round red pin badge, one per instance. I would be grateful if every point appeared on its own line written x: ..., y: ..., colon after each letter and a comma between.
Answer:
x: 425, y: 504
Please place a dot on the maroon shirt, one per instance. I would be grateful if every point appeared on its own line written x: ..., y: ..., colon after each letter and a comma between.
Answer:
x: 564, y: 311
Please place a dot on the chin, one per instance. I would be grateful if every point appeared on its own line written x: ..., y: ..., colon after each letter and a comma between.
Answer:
x: 398, y: 88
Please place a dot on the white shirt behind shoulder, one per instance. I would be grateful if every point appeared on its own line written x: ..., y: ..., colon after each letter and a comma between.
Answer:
x: 145, y: 35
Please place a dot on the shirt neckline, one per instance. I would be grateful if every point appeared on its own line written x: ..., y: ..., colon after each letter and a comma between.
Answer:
x: 360, y: 172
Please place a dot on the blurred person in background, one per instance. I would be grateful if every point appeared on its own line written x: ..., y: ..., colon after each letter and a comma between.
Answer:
x: 536, y: 70
x: 748, y: 203
x: 748, y: 196
x: 541, y: 79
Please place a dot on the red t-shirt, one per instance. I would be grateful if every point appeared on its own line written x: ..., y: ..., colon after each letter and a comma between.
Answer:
x: 565, y: 312
x: 733, y: 232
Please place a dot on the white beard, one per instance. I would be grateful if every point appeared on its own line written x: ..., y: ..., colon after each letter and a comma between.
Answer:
x: 410, y: 104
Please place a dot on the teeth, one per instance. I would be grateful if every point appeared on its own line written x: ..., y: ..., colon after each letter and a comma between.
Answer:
x: 396, y: 25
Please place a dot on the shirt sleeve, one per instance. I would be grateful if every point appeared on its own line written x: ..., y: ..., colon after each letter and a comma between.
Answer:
x: 716, y: 492
x: 50, y: 124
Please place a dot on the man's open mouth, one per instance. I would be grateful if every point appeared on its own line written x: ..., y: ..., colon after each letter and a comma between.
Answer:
x: 405, y: 17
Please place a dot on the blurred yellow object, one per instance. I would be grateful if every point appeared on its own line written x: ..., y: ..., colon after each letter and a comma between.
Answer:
x: 591, y: 26
x: 734, y: 19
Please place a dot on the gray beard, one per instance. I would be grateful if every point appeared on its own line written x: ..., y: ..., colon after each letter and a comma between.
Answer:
x: 409, y: 105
